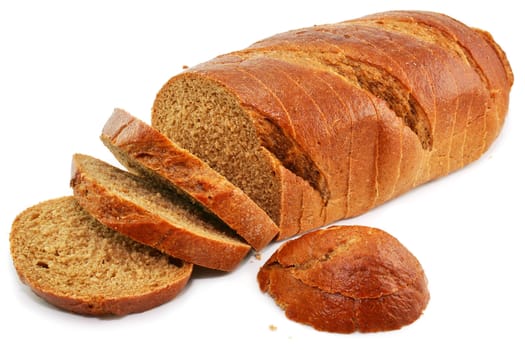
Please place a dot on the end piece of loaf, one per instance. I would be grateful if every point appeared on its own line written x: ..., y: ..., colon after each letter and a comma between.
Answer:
x: 323, y: 123
x: 154, y: 215
x: 144, y: 150
x: 75, y: 263
x: 345, y: 279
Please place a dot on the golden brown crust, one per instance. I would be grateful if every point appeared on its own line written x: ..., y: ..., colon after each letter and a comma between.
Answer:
x: 345, y: 279
x: 303, y: 205
x: 367, y: 109
x: 484, y: 56
x: 149, y: 228
x: 142, y: 148
x: 104, y: 306
x: 49, y: 222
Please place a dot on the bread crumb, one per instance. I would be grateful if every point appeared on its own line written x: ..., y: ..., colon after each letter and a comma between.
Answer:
x: 258, y: 256
x: 184, y: 66
x: 272, y: 327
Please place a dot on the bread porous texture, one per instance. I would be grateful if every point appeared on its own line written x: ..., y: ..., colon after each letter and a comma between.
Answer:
x: 206, y: 119
x: 76, y: 263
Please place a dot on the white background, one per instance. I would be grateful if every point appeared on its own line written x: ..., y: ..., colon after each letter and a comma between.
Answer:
x: 64, y: 67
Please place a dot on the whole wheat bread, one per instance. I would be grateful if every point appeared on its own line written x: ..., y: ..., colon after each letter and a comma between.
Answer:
x: 154, y: 215
x: 145, y: 151
x: 324, y: 123
x: 75, y: 263
x: 345, y: 279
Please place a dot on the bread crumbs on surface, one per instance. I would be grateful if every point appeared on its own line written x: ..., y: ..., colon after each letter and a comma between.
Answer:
x: 185, y: 66
x: 272, y: 327
x: 258, y: 256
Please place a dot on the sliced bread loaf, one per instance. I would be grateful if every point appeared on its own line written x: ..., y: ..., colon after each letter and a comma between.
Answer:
x: 75, y: 263
x: 154, y: 215
x: 346, y: 115
x: 146, y: 151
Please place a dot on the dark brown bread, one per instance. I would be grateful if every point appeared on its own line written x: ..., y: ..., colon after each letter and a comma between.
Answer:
x: 345, y: 279
x: 144, y: 150
x: 323, y: 123
x: 75, y: 263
x: 154, y: 215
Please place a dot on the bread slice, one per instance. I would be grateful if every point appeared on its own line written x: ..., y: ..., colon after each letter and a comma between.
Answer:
x: 154, y: 215
x: 346, y: 278
x: 75, y: 263
x: 146, y: 151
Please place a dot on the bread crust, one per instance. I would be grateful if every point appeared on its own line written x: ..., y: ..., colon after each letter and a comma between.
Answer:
x: 95, y: 304
x: 345, y: 279
x: 370, y: 108
x: 147, y: 227
x: 144, y: 150
x: 105, y: 306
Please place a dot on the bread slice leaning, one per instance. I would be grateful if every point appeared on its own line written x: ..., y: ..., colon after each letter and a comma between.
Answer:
x: 144, y: 150
x: 75, y: 263
x: 154, y: 215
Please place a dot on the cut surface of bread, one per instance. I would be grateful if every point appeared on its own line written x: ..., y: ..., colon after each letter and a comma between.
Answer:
x: 345, y: 279
x: 142, y: 149
x: 349, y: 115
x: 75, y: 263
x: 205, y: 118
x: 154, y: 215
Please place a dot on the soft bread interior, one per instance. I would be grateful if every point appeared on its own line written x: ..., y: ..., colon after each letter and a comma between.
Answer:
x: 208, y: 121
x: 58, y: 247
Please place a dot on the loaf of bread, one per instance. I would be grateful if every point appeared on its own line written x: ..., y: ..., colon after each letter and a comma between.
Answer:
x: 75, y: 263
x: 145, y: 151
x: 290, y: 134
x: 324, y: 123
x: 345, y: 279
x: 154, y: 215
